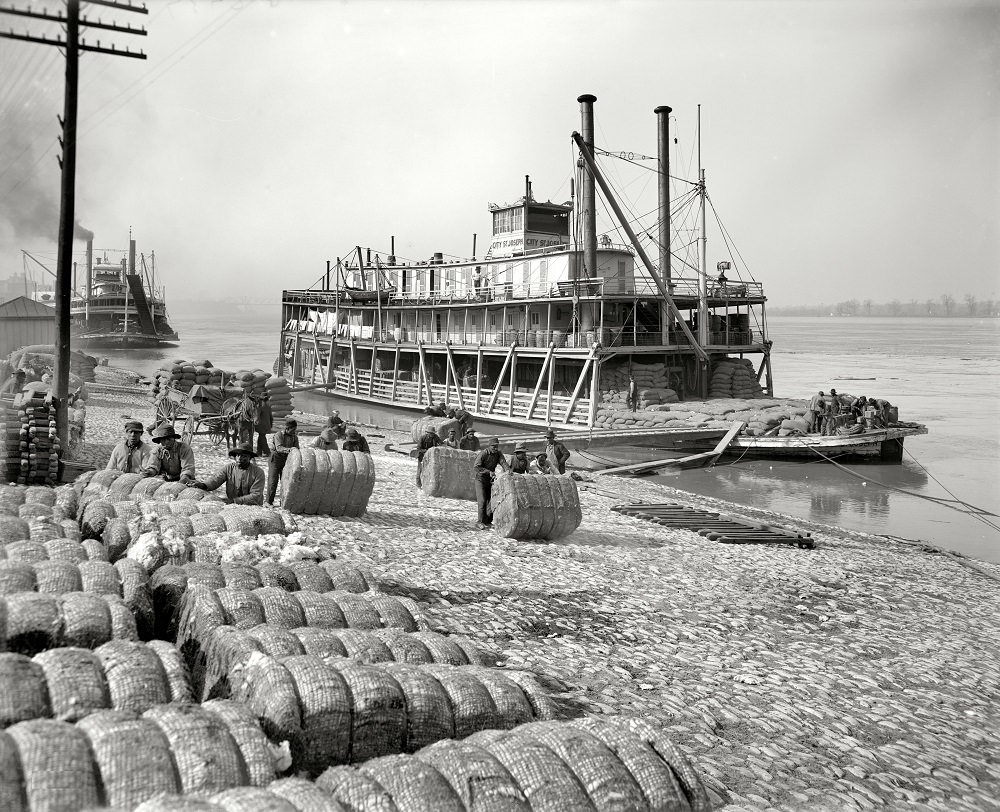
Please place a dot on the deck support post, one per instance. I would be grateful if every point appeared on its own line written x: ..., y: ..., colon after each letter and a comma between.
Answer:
x: 500, y: 377
x: 353, y: 380
x: 395, y: 374
x: 579, y: 385
x: 296, y: 361
x: 548, y: 405
x: 513, y: 381
x: 479, y: 374
x: 454, y: 374
x: 371, y: 372
x: 426, y: 377
x: 541, y: 377
x: 329, y: 361
x: 595, y: 384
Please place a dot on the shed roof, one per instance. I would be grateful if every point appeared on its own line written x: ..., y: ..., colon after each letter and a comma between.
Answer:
x: 24, y: 308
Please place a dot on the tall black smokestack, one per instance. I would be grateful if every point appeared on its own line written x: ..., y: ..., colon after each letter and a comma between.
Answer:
x: 589, y: 197
x: 131, y: 256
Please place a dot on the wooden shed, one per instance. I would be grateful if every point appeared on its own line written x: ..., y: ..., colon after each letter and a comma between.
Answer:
x: 23, y: 322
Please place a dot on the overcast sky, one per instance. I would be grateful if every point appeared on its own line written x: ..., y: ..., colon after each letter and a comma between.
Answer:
x: 852, y: 149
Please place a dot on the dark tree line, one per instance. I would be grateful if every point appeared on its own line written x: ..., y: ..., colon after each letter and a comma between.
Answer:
x: 945, y: 306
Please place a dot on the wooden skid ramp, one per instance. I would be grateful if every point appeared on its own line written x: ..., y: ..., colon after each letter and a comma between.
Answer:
x: 715, y: 526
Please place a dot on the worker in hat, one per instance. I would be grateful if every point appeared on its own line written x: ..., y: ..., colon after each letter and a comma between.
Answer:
x: 519, y: 462
x: 556, y: 452
x: 469, y: 441
x: 336, y: 422
x: 170, y: 458
x: 484, y: 470
x: 244, y: 480
x: 14, y: 384
x: 354, y: 441
x: 541, y: 464
x: 429, y: 439
x: 131, y: 455
x: 439, y: 409
x: 282, y: 442
x: 263, y: 424
x: 326, y: 441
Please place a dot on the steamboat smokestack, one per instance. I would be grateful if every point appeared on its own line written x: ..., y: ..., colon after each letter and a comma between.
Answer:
x: 131, y: 256
x: 663, y: 199
x: 588, y: 201
x: 90, y: 266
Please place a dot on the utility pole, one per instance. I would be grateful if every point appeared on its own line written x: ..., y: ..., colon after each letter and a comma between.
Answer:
x: 73, y: 45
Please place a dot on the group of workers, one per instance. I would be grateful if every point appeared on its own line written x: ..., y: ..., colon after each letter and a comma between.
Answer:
x: 827, y: 412
x: 173, y: 460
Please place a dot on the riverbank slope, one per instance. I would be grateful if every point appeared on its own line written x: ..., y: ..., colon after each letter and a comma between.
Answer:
x: 861, y: 674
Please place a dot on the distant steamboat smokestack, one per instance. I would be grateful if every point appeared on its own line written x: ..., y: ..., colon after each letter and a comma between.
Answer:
x: 131, y: 256
x: 90, y: 266
x: 589, y: 197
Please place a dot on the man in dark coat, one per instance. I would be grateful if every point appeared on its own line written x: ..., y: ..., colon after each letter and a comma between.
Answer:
x: 519, y: 462
x: 556, y: 452
x: 484, y: 469
x: 282, y: 442
x: 335, y: 422
x: 469, y: 441
x: 170, y: 459
x: 264, y: 425
x: 633, y: 393
x: 131, y: 455
x: 355, y: 441
x: 428, y: 440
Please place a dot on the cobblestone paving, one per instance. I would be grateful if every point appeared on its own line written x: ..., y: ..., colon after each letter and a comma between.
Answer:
x: 863, y: 674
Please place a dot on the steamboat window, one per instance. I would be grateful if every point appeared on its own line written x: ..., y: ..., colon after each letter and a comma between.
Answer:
x: 543, y: 272
x: 534, y: 319
x: 622, y: 264
x: 493, y: 319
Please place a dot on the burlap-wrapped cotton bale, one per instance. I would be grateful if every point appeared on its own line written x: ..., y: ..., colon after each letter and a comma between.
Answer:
x: 448, y: 473
x: 330, y: 483
x: 535, y: 506
x: 251, y: 520
x: 441, y: 426
x: 13, y: 528
x: 147, y: 487
x: 96, y: 516
x: 56, y: 766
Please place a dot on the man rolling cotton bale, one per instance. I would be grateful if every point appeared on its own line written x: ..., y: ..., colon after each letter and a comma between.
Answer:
x: 484, y: 468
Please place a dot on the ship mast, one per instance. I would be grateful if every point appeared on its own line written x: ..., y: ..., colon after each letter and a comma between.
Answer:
x: 703, y: 259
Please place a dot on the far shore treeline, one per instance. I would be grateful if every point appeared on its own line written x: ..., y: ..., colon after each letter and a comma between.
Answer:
x: 945, y: 306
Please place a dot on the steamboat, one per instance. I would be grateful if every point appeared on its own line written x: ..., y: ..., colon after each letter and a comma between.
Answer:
x: 120, y: 305
x: 545, y: 328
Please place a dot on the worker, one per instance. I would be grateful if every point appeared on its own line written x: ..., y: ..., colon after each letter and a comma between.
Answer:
x: 484, y: 470
x: 263, y: 425
x: 244, y: 480
x: 541, y: 464
x: 326, y: 440
x: 633, y: 393
x: 452, y: 439
x: 859, y: 406
x: 813, y: 403
x: 355, y: 441
x: 428, y: 440
x: 469, y: 441
x: 462, y: 417
x: 814, y: 415
x: 439, y: 409
x: 556, y: 452
x: 519, y: 462
x: 14, y: 384
x: 131, y: 455
x: 171, y: 459
x: 335, y: 422
x: 834, y: 400
x: 282, y: 442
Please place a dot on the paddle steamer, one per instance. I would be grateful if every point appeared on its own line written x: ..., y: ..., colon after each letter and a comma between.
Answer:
x: 527, y: 334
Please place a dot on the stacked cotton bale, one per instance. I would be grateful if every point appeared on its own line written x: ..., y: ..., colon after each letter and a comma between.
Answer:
x: 253, y: 382
x: 279, y: 396
x: 334, y: 711
x: 651, y: 380
x: 734, y: 378
x: 181, y: 374
x: 440, y: 425
x: 530, y: 506
x: 228, y: 649
x: 37, y: 621
x: 124, y: 759
x: 71, y: 683
x: 44, y: 355
x: 169, y: 583
x: 327, y: 483
x: 30, y: 449
x: 448, y: 473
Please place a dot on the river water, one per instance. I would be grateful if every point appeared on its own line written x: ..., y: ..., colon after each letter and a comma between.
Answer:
x: 944, y: 373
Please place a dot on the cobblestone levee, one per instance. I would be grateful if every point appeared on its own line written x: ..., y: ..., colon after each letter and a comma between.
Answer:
x: 862, y: 674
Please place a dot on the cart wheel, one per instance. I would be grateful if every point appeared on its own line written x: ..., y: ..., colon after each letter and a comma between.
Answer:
x: 188, y: 432
x: 218, y: 433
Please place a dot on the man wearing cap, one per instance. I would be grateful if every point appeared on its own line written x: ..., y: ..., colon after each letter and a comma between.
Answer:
x: 131, y: 455
x: 336, y: 423
x: 326, y: 440
x: 484, y: 469
x: 556, y: 452
x: 428, y: 439
x: 452, y: 439
x: 519, y: 462
x: 170, y: 458
x: 264, y: 424
x: 244, y: 480
x: 541, y: 464
x: 469, y: 441
x: 282, y: 442
x: 14, y: 384
x: 354, y: 441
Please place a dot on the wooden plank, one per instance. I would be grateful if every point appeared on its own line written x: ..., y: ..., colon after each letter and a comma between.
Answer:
x: 316, y: 361
x: 395, y: 374
x: 353, y: 382
x: 579, y: 385
x: 479, y: 373
x: 371, y: 373
x: 513, y: 381
x: 426, y: 377
x: 690, y: 461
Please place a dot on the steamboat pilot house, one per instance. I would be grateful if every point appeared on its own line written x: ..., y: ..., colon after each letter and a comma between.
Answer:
x: 524, y: 335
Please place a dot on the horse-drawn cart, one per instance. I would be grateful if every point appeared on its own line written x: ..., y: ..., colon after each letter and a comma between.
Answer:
x: 219, y: 413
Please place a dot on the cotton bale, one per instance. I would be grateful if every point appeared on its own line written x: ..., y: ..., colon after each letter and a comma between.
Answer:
x: 448, y: 473
x: 535, y: 506
x: 440, y: 425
